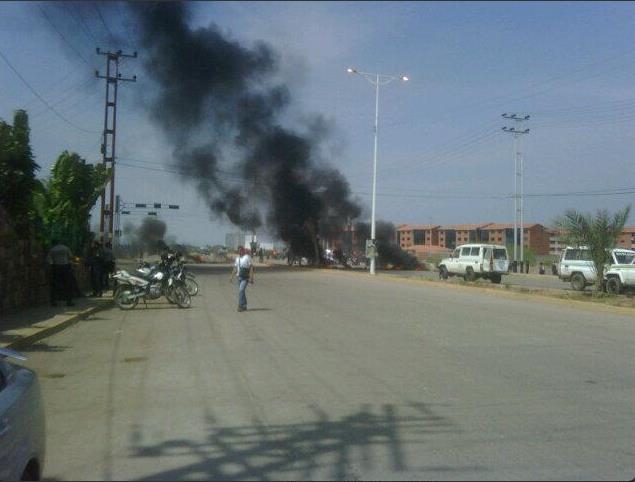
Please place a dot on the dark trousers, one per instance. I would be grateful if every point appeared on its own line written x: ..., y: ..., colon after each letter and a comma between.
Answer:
x: 96, y: 279
x: 61, y: 286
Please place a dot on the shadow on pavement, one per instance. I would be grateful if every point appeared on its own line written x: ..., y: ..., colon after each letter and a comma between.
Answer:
x: 306, y: 450
x: 44, y: 347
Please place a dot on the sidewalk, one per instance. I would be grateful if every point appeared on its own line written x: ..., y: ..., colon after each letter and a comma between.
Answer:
x: 21, y: 329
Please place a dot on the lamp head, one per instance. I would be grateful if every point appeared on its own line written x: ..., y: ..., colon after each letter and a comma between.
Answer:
x: 405, y: 78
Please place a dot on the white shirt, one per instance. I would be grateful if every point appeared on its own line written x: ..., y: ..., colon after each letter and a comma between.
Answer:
x: 242, y: 262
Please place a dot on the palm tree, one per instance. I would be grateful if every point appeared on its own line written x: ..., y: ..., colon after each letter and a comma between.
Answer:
x: 599, y: 234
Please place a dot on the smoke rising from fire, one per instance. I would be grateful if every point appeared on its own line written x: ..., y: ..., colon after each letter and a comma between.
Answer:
x: 222, y: 111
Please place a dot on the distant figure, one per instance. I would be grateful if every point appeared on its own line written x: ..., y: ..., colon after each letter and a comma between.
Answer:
x: 244, y: 269
x: 108, y: 264
x: 554, y: 269
x: 95, y: 263
x: 59, y: 258
x: 261, y: 255
x: 541, y: 270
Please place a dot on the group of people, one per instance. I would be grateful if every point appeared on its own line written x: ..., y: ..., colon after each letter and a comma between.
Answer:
x: 63, y: 285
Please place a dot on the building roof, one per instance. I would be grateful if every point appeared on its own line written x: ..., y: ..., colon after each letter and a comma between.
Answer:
x: 463, y: 227
x: 629, y: 229
x: 511, y: 225
x: 412, y: 227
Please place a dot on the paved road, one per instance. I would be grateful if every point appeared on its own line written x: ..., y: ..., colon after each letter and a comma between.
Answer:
x: 335, y: 376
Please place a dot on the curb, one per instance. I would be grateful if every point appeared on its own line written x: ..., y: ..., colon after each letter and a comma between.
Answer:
x: 29, y: 335
x: 513, y: 292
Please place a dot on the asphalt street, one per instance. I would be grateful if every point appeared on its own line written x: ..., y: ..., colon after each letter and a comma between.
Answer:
x: 333, y: 375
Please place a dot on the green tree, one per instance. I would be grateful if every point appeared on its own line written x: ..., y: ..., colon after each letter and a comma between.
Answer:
x: 17, y: 172
x: 599, y: 234
x: 63, y: 202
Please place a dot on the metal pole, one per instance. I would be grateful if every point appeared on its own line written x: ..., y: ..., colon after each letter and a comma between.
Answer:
x: 111, y: 233
x: 515, y: 196
x: 372, y: 225
x: 104, y: 154
x: 522, y: 225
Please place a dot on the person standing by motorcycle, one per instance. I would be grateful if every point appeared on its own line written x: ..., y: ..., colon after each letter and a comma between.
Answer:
x: 59, y: 258
x: 95, y: 262
x: 108, y: 264
x: 244, y: 269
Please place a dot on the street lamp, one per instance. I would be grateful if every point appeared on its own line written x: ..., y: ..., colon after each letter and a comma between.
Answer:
x: 376, y: 80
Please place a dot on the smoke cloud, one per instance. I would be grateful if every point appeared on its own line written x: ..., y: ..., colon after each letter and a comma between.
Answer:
x: 219, y: 105
x: 148, y: 237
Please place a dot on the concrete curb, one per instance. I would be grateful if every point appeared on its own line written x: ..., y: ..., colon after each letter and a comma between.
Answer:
x: 27, y: 336
x: 517, y: 292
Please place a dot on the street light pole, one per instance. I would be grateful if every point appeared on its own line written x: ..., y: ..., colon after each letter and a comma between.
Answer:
x: 376, y: 80
x: 372, y: 216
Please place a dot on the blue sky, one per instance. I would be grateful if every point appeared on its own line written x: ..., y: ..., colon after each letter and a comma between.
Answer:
x: 442, y: 155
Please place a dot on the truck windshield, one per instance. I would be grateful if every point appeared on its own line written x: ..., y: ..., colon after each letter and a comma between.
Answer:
x: 624, y: 258
x: 500, y: 253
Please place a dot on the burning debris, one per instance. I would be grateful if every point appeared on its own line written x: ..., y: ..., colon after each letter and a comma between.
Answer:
x: 389, y: 253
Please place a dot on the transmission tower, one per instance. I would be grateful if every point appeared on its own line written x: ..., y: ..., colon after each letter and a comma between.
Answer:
x: 113, y: 77
x: 517, y: 132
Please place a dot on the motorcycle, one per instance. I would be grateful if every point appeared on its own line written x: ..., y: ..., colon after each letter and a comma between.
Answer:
x: 150, y: 283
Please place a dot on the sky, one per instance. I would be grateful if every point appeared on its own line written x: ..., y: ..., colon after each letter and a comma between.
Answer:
x: 442, y: 155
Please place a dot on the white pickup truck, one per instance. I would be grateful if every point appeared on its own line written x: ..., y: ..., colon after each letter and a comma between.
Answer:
x: 473, y: 261
x: 577, y: 267
x: 620, y: 277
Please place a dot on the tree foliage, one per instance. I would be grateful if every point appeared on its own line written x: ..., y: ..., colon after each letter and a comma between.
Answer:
x: 63, y: 202
x: 599, y: 234
x: 17, y: 172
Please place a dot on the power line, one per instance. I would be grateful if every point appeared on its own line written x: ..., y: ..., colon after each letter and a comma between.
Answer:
x: 62, y: 35
x: 52, y: 109
x: 112, y: 37
x: 426, y: 195
x: 78, y: 14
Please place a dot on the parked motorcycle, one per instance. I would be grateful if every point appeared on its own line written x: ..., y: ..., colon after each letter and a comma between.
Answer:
x: 150, y: 283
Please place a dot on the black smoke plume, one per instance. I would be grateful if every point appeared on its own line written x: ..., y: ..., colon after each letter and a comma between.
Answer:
x: 220, y: 107
x: 389, y: 254
x: 148, y: 238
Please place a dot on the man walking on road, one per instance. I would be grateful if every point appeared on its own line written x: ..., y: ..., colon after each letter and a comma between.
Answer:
x: 59, y: 258
x: 244, y: 269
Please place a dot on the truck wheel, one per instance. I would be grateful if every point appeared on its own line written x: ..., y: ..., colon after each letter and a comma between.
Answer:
x: 613, y: 286
x: 496, y: 278
x: 443, y: 272
x: 578, y: 282
x: 470, y: 275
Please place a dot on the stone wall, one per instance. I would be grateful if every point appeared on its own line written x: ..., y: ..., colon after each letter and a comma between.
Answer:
x: 24, y: 274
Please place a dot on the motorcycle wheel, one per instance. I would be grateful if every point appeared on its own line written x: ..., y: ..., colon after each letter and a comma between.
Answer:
x: 122, y: 298
x: 191, y: 286
x: 169, y: 295
x: 182, y: 297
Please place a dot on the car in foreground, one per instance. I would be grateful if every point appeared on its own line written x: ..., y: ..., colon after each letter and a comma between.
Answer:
x: 473, y: 261
x: 22, y: 429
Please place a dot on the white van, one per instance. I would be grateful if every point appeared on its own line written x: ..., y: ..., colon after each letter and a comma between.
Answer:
x: 577, y: 267
x: 472, y: 261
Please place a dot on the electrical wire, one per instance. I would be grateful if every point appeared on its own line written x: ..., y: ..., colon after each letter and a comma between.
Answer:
x: 434, y: 195
x: 37, y: 94
x: 66, y: 41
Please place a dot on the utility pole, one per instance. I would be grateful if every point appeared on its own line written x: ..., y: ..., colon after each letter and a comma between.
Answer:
x: 113, y: 77
x: 517, y: 132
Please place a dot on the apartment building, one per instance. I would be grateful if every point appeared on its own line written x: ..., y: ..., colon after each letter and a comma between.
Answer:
x: 452, y: 235
x: 625, y: 240
x: 535, y: 236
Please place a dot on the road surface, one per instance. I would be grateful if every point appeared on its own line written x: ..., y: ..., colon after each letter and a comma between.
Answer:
x: 330, y: 375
